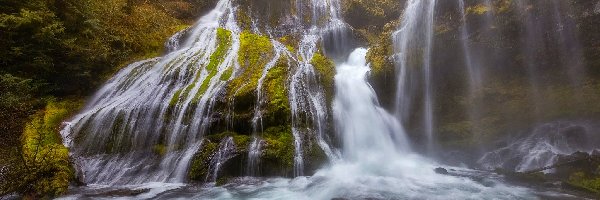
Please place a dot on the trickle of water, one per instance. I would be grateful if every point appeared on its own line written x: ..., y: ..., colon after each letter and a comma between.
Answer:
x: 254, y: 154
x: 414, y: 42
x: 226, y: 151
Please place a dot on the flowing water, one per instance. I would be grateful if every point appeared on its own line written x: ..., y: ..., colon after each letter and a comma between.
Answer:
x: 145, y: 109
x: 142, y: 128
x: 414, y: 42
x: 361, y: 175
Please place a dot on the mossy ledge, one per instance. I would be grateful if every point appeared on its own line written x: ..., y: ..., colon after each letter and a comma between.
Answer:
x: 235, y: 111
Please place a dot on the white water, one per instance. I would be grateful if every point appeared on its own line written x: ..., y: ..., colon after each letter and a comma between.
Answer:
x: 414, y: 42
x: 377, y: 162
x: 367, y: 130
x: 543, y: 146
x: 133, y: 115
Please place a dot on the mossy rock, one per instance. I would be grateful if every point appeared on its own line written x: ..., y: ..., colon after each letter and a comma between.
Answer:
x: 50, y: 171
x: 586, y: 182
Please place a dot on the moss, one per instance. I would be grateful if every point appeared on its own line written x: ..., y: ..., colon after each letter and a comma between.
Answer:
x: 201, y: 161
x: 227, y: 74
x: 325, y: 67
x: 580, y: 180
x: 279, y: 146
x: 277, y: 108
x: 46, y: 158
x: 216, y: 58
x: 159, y: 149
x: 255, y: 52
x: 243, y: 19
x: 478, y: 9
x: 199, y: 168
x: 175, y: 98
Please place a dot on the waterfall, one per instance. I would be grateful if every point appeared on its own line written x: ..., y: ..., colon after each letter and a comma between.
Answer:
x: 307, y: 98
x: 367, y: 130
x: 537, y: 44
x: 414, y: 42
x: 147, y: 122
x: 150, y: 120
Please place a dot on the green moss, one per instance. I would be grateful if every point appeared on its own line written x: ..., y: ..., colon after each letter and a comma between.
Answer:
x: 478, y: 9
x: 201, y: 161
x: 380, y: 49
x: 159, y: 149
x: 255, y: 52
x: 278, y: 103
x: 580, y: 180
x: 227, y: 74
x: 50, y: 171
x: 175, y: 98
x: 216, y: 58
x: 325, y: 67
x: 279, y: 146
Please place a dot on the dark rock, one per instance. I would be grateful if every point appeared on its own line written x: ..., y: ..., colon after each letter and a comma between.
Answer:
x: 441, y: 170
x: 120, y: 193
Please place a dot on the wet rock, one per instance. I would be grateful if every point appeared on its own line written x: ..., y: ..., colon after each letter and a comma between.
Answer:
x: 441, y: 170
x: 120, y: 193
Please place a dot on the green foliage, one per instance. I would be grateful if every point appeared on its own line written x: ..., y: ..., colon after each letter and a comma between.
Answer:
x: 45, y: 169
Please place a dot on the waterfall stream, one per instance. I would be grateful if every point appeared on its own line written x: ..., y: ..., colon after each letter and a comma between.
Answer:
x: 147, y: 106
x: 144, y: 127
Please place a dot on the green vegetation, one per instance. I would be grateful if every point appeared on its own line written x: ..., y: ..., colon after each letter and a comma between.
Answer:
x: 199, y: 168
x: 580, y: 180
x: 44, y: 169
x: 254, y: 54
x: 478, y: 9
x: 280, y: 146
x: 66, y: 49
x: 325, y: 67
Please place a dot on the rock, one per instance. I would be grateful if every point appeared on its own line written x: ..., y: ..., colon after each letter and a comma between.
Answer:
x: 120, y: 193
x: 441, y: 170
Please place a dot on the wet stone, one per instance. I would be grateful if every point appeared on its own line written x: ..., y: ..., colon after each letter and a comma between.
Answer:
x: 441, y: 170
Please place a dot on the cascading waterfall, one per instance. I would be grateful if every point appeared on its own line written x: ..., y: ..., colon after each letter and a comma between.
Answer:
x: 148, y: 121
x: 158, y: 106
x: 357, y: 113
x: 307, y: 98
x: 414, y: 42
